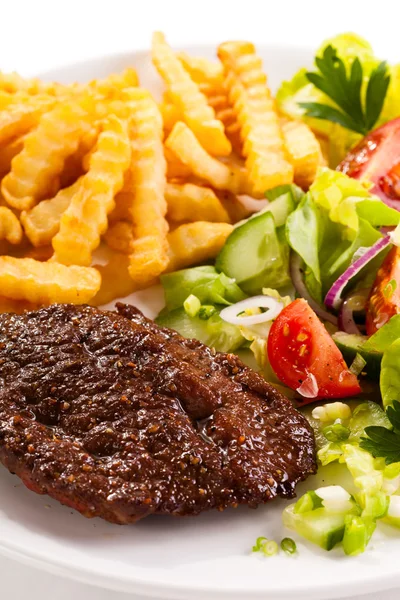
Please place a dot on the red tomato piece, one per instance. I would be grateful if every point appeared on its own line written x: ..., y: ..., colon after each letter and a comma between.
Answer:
x: 384, y: 299
x: 301, y: 350
x: 376, y: 159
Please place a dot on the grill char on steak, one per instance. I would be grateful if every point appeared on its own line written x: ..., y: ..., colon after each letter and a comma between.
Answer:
x: 119, y: 418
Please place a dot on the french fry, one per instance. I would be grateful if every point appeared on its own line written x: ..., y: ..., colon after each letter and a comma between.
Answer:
x: 187, y: 97
x: 119, y: 237
x: 111, y: 86
x: 78, y: 163
x: 13, y: 82
x: 144, y: 196
x: 35, y: 170
x: 85, y: 219
x: 47, y: 282
x: 170, y: 115
x: 42, y: 222
x: 7, y: 153
x: 188, y: 203
x: 10, y: 227
x: 115, y: 280
x: 263, y: 143
x: 304, y: 151
x: 183, y: 143
x: 202, y: 69
x: 8, y: 305
x: 22, y: 114
x: 193, y: 243
x: 176, y: 169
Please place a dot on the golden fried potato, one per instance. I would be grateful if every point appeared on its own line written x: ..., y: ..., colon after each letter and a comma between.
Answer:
x: 189, y: 202
x: 22, y: 114
x: 78, y: 163
x: 202, y: 69
x: 85, y: 219
x: 111, y: 86
x: 119, y: 236
x: 10, y: 227
x: 7, y: 153
x: 191, y: 103
x: 194, y: 243
x: 176, y: 169
x: 42, y: 222
x: 304, y: 151
x: 170, y: 115
x: 35, y: 170
x: 115, y: 280
x: 47, y: 282
x: 263, y: 143
x: 187, y: 148
x: 145, y: 195
x: 13, y: 82
x: 8, y: 305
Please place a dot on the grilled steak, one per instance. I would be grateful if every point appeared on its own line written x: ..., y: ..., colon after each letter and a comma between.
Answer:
x: 119, y: 418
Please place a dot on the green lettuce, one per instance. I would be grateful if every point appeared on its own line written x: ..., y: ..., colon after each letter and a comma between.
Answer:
x: 205, y: 283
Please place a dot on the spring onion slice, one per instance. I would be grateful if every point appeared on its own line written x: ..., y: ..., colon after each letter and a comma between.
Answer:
x: 234, y: 314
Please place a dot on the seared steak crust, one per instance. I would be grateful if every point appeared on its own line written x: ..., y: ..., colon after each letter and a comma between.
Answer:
x: 119, y: 418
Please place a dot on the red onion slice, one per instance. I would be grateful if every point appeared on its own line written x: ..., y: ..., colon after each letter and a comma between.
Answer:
x: 296, y: 273
x: 333, y: 298
x: 354, y: 302
x: 231, y: 314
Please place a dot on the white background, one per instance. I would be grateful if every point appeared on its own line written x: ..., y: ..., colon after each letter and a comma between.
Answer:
x: 38, y: 35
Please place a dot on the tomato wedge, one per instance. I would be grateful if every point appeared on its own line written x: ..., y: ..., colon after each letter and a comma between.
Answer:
x: 384, y: 299
x: 302, y: 352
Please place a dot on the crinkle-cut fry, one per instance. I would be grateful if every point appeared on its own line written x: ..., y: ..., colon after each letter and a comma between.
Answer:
x: 188, y: 149
x: 47, y: 282
x: 22, y: 114
x: 189, y: 202
x: 42, y: 222
x: 202, y: 69
x: 42, y: 159
x: 13, y: 82
x: 115, y: 280
x: 304, y: 151
x: 8, y: 305
x: 112, y: 85
x: 194, y: 243
x: 170, y: 114
x: 119, y: 237
x: 263, y: 144
x: 191, y: 103
x: 85, y: 219
x: 175, y: 167
x: 144, y: 195
x: 7, y: 153
x: 10, y: 227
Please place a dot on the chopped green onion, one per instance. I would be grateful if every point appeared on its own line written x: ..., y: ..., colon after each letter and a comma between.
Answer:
x: 266, y: 546
x: 259, y: 542
x: 336, y: 432
x: 332, y: 411
x: 357, y: 533
x: 192, y: 305
x: 288, y: 545
x: 206, y: 311
x: 357, y: 365
x: 270, y: 548
x: 309, y: 501
x: 390, y: 288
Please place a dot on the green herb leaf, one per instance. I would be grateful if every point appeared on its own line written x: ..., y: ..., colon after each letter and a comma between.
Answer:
x: 383, y: 442
x: 352, y: 111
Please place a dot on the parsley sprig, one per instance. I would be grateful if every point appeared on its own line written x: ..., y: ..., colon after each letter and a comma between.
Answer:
x: 345, y: 90
x: 383, y: 442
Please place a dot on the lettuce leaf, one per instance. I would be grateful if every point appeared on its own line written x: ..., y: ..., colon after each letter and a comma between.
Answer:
x: 205, y: 283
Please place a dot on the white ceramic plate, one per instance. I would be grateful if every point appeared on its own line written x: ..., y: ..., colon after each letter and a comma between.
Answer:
x: 203, y: 557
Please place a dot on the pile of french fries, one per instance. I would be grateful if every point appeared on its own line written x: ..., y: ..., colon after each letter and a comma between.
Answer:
x: 160, y: 183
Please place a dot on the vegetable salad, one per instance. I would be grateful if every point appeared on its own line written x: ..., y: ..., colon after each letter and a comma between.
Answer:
x: 309, y: 286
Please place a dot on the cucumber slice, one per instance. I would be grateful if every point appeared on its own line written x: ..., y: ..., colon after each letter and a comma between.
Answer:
x: 318, y: 526
x: 254, y: 256
x: 213, y: 332
x: 351, y: 344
